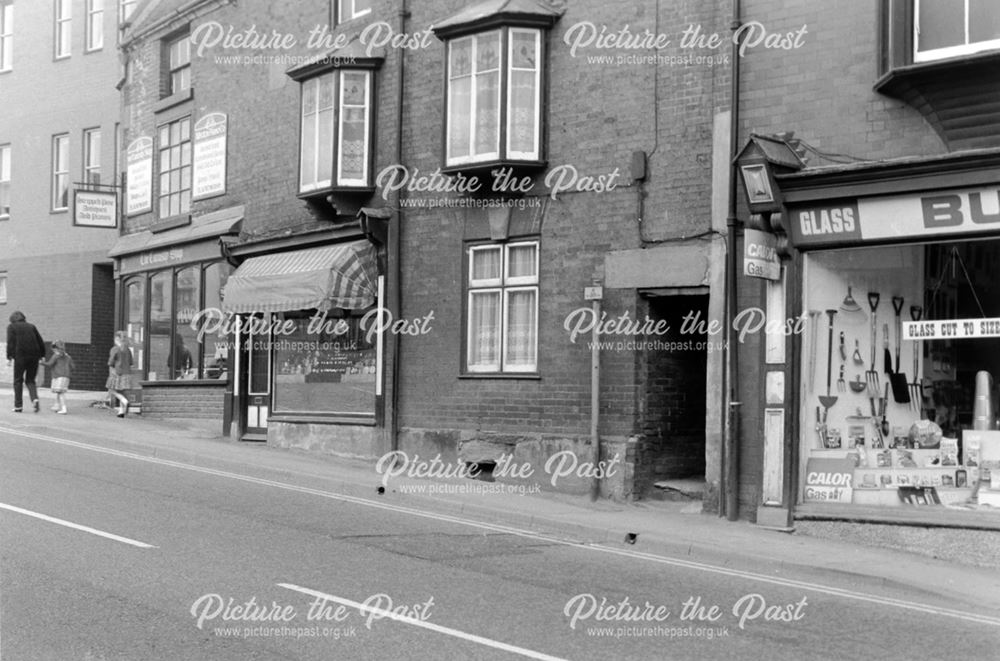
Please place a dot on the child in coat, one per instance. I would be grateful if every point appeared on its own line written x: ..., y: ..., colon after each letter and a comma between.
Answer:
x: 61, y: 364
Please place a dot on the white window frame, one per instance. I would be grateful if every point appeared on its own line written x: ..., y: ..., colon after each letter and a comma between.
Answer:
x: 178, y: 167
x: 5, y: 164
x: 504, y: 286
x: 347, y: 10
x: 63, y: 28
x: 6, y: 35
x: 60, y: 170
x: 949, y: 51
x: 501, y: 99
x: 125, y: 10
x: 335, y: 130
x: 95, y: 26
x: 3, y: 287
x: 91, y: 157
x: 522, y: 155
x: 185, y: 65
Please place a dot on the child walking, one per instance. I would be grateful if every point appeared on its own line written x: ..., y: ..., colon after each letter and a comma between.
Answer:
x: 61, y: 364
x: 120, y: 372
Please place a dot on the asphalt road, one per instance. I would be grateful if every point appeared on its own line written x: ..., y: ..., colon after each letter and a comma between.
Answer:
x: 206, y: 565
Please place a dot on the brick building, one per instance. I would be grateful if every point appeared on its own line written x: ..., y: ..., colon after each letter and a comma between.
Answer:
x: 58, y: 124
x: 884, y: 174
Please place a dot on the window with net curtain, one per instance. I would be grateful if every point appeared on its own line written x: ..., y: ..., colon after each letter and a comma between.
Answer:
x: 502, y: 333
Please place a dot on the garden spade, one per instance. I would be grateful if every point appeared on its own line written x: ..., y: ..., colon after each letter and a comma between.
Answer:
x: 917, y: 387
x: 829, y: 400
x: 900, y: 388
x: 871, y: 375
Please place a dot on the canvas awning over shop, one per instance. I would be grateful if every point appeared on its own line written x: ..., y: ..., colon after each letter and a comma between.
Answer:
x: 339, y: 276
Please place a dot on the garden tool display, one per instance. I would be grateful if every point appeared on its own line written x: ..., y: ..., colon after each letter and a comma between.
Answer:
x: 843, y: 347
x: 828, y: 401
x: 900, y: 388
x: 871, y: 375
x: 884, y: 402
x: 857, y: 385
x: 877, y: 440
x: 820, y: 428
x: 886, y: 354
x: 841, y: 384
x: 917, y: 387
x: 858, y: 360
x: 813, y: 346
x: 849, y: 304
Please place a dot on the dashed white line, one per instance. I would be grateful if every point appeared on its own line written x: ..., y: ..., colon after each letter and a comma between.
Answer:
x: 76, y: 526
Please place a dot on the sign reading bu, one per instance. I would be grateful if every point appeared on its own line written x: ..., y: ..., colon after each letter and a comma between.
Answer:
x: 760, y: 255
x: 896, y: 217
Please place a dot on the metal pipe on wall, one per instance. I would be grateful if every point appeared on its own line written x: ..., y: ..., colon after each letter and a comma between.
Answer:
x: 595, y: 390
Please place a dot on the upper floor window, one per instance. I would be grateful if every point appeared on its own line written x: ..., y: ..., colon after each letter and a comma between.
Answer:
x: 949, y: 28
x: 63, y: 31
x: 60, y: 172
x: 4, y: 181
x: 125, y: 9
x: 502, y: 308
x: 3, y: 287
x: 175, y: 168
x: 351, y: 9
x: 179, y: 58
x: 92, y: 156
x: 335, y: 130
x: 6, y: 35
x: 95, y: 25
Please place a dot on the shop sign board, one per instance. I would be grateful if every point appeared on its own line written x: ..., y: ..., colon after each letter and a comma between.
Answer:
x: 139, y: 169
x: 209, y: 178
x: 829, y: 480
x: 896, y: 217
x: 95, y: 208
x: 951, y: 329
x: 760, y: 255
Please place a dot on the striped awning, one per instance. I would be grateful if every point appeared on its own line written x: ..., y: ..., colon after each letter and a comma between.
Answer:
x: 338, y: 276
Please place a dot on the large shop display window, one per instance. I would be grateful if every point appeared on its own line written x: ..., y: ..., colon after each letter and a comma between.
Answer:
x: 898, y: 402
x: 325, y: 364
x: 171, y: 339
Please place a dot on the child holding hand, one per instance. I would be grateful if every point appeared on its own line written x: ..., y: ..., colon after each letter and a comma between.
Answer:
x: 61, y: 364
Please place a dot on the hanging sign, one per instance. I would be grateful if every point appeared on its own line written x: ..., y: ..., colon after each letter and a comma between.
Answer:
x: 209, y: 178
x: 951, y: 329
x: 760, y: 255
x: 95, y: 208
x: 139, y: 166
x: 829, y: 480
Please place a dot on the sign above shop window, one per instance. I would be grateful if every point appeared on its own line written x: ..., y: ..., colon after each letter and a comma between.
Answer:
x: 760, y: 255
x: 952, y: 329
x: 886, y: 219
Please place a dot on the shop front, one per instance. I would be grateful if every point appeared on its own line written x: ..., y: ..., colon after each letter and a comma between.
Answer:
x: 895, y: 268
x: 164, y: 282
x: 308, y: 357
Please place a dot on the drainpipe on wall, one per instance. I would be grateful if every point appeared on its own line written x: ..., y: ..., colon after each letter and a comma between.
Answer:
x: 595, y: 390
x: 731, y: 454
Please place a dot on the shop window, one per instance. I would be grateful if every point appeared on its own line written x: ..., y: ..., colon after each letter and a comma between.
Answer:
x: 348, y: 10
x: 215, y: 346
x: 179, y: 65
x: 185, y: 352
x: 92, y: 156
x: 6, y: 35
x: 335, y: 131
x: 160, y: 331
x: 4, y: 182
x: 494, y: 82
x: 95, y: 25
x: 60, y: 172
x: 175, y: 168
x: 135, y: 305
x: 502, y: 308
x: 63, y: 28
x: 326, y: 365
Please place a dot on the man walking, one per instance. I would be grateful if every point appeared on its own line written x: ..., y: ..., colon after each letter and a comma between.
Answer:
x: 25, y: 348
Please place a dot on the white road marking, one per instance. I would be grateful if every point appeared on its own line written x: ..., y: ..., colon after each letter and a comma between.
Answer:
x: 495, y: 527
x: 76, y: 526
x: 471, y: 637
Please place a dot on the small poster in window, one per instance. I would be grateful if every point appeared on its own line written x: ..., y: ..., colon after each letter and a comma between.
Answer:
x: 949, y: 451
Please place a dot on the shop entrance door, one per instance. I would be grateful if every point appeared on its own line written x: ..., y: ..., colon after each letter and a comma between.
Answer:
x: 258, y: 378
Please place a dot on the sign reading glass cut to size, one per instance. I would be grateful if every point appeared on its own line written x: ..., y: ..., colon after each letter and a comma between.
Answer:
x: 951, y: 329
x: 139, y: 168
x: 95, y: 208
x: 209, y: 177
x: 760, y: 255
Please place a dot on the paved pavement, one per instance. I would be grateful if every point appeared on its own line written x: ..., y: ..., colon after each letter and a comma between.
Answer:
x: 660, y: 527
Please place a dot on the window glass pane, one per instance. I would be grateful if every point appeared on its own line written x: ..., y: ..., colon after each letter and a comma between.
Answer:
x: 183, y: 359
x: 215, y: 346
x: 353, y: 126
x: 487, y: 85
x: 523, y: 116
x: 325, y: 84
x: 308, y: 151
x: 523, y: 51
x: 484, y: 329
x: 521, y: 261
x: 5, y: 180
x: 164, y: 135
x: 329, y: 370
x: 186, y: 153
x: 521, y: 328
x: 160, y: 314
x: 984, y: 20
x: 324, y: 147
x: 485, y: 263
x: 259, y: 352
x: 460, y: 63
x: 459, y: 117
x: 135, y: 301
x: 309, y: 96
x: 942, y: 24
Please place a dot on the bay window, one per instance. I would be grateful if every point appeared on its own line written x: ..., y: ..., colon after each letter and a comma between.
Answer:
x: 502, y: 308
x: 494, y: 82
x: 949, y: 28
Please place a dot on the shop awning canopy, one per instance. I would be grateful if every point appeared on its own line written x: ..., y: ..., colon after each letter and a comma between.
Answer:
x: 338, y: 276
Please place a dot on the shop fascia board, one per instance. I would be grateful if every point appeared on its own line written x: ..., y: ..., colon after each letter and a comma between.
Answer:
x: 906, y: 175
x: 282, y: 243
